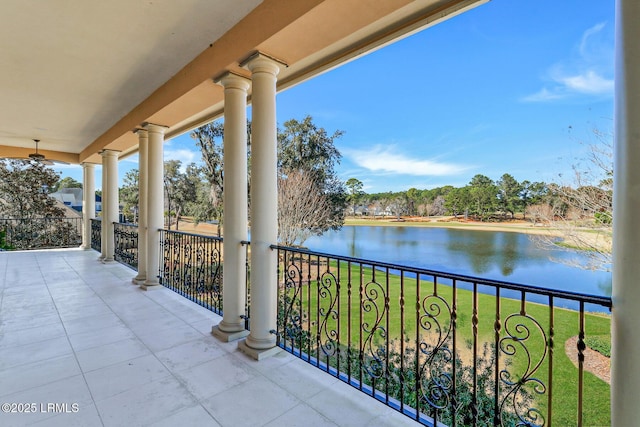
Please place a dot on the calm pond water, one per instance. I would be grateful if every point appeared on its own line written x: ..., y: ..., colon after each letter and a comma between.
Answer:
x: 512, y: 257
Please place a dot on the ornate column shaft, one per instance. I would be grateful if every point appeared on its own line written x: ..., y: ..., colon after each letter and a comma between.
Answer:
x: 261, y: 342
x: 143, y: 153
x: 88, y: 202
x: 155, y: 202
x: 235, y: 207
x: 625, y: 370
x: 110, y: 213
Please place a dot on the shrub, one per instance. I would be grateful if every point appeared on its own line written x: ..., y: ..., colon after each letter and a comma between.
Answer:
x: 599, y: 343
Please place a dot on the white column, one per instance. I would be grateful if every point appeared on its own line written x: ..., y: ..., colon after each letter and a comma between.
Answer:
x: 103, y: 204
x: 235, y: 208
x: 110, y: 214
x: 143, y: 144
x: 264, y: 208
x: 155, y: 202
x: 625, y: 369
x: 88, y: 203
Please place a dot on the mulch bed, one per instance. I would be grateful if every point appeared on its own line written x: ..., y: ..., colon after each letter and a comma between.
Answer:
x: 594, y: 362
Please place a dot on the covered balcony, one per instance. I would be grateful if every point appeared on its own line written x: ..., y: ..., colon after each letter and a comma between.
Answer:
x: 120, y: 78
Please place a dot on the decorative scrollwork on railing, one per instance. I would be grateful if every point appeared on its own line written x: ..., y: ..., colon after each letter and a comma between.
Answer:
x: 176, y: 261
x: 521, y: 329
x: 374, y: 353
x: 201, y: 268
x: 96, y: 234
x: 327, y: 337
x: 436, y: 381
x: 126, y: 244
x: 167, y: 262
x: 193, y: 267
x: 402, y: 331
x: 213, y: 286
x: 187, y: 266
x: 293, y: 317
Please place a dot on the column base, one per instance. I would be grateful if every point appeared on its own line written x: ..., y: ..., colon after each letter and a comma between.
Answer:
x: 85, y: 248
x: 258, y: 354
x: 107, y: 260
x: 150, y: 284
x: 228, y: 336
x: 138, y: 280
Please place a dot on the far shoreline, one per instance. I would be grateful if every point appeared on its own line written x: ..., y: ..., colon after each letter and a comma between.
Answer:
x: 511, y: 226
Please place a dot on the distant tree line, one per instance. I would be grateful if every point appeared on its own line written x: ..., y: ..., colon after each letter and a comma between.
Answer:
x: 484, y: 199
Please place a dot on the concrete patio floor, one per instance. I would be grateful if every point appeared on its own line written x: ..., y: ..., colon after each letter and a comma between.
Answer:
x: 76, y: 333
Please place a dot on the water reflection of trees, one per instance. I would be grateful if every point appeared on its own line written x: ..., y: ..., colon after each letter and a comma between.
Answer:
x: 509, y: 253
x: 478, y: 248
x: 606, y: 286
x: 486, y: 250
x: 352, y: 243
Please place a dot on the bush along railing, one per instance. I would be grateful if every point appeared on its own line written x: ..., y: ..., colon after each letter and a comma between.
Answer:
x: 126, y: 244
x: 192, y: 266
x: 96, y: 234
x: 444, y: 349
x: 40, y: 233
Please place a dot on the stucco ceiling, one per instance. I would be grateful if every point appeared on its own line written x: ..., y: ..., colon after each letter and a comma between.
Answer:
x: 80, y: 75
x: 71, y: 68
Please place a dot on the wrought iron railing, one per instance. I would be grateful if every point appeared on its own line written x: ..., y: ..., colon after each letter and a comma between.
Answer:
x: 40, y: 233
x: 96, y: 234
x: 192, y: 266
x: 443, y: 348
x: 126, y: 244
x: 247, y: 299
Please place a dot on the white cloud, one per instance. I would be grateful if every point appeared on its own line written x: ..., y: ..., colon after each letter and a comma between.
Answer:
x: 543, y: 96
x: 184, y: 155
x: 388, y: 160
x: 589, y: 82
x: 584, y: 42
x: 583, y: 75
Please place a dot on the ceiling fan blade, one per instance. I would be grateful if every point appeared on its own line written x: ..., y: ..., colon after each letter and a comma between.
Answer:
x: 23, y: 159
x: 37, y: 157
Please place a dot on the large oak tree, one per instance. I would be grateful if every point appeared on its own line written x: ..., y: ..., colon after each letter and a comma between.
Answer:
x: 33, y: 219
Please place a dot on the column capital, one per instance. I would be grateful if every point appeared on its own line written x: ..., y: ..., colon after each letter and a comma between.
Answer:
x: 141, y: 132
x: 152, y: 127
x: 88, y: 165
x: 260, y: 62
x: 107, y: 153
x: 231, y: 80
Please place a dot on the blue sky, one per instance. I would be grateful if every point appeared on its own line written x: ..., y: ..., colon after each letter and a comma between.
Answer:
x: 514, y: 86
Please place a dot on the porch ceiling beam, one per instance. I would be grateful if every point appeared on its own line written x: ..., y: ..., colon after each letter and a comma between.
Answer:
x: 7, y: 151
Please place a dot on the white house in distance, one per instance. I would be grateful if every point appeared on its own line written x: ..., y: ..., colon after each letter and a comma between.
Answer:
x: 72, y: 197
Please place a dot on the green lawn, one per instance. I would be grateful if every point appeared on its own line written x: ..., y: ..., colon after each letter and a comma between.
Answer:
x: 333, y: 315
